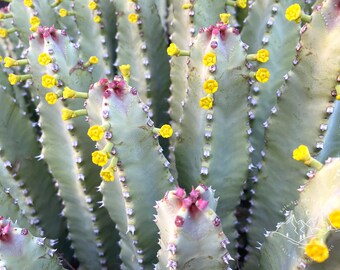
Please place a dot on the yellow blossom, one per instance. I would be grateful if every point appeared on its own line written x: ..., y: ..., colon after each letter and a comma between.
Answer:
x: 96, y: 132
x: 209, y: 59
x: 293, y: 13
x: 1, y: 59
x: 34, y: 28
x: 9, y: 62
x: 186, y: 6
x: 225, y: 17
x: 92, y: 5
x: 97, y: 19
x: 34, y: 21
x: 173, y: 50
x: 51, y: 97
x: 48, y: 81
x: 262, y: 75
x: 28, y: 3
x: 133, y: 18
x: 334, y: 219
x: 93, y: 60
x: 69, y: 93
x: 210, y: 86
x: 125, y: 70
x: 166, y: 131
x: 262, y: 55
x: 108, y: 174
x: 3, y: 32
x: 100, y: 158
x: 2, y: 15
x: 13, y: 79
x: 317, y: 250
x: 206, y: 103
x: 241, y: 3
x: 67, y: 114
x: 44, y: 59
x: 302, y: 153
x: 63, y: 12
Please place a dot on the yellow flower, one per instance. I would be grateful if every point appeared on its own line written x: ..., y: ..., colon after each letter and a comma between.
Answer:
x: 301, y: 153
x: 293, y: 13
x: 1, y: 59
x: 34, y: 21
x: 63, y: 12
x: 92, y: 5
x: 67, y: 114
x: 3, y: 32
x: 262, y: 75
x: 206, y: 103
x: 262, y: 55
x: 334, y: 219
x: 173, y: 50
x: 1, y: 15
x: 241, y: 3
x: 317, y: 250
x: 100, y: 158
x: 93, y: 60
x: 186, y: 6
x: 133, y: 18
x: 225, y: 17
x: 28, y: 3
x: 108, y: 174
x: 166, y: 131
x: 125, y: 70
x: 48, y: 81
x: 13, y: 79
x: 96, y: 133
x: 44, y: 59
x: 209, y: 59
x: 210, y: 86
x: 97, y: 19
x: 34, y: 28
x: 51, y: 97
x: 69, y: 93
x: 9, y: 62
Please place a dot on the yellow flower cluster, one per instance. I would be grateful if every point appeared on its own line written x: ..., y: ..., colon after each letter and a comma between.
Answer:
x: 166, y: 131
x: 241, y: 3
x: 97, y: 19
x: 209, y: 59
x: 67, y: 114
x: 13, y: 79
x: 3, y: 32
x: 186, y: 6
x: 206, y: 103
x: 48, y: 81
x: 51, y: 98
x: 334, y: 219
x: 293, y: 13
x: 225, y: 17
x: 28, y: 3
x: 69, y: 93
x: 173, y: 50
x: 133, y: 17
x: 44, y: 59
x: 317, y: 250
x: 262, y: 75
x: 100, y: 158
x: 96, y: 133
x: 92, y: 5
x: 125, y: 70
x: 63, y: 12
x: 210, y: 86
x: 35, y: 22
x: 302, y: 153
x: 9, y: 62
x: 93, y: 60
x: 262, y: 55
x: 108, y: 174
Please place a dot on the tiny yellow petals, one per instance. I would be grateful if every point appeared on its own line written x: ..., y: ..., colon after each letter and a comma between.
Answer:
x: 166, y: 131
x: 317, y: 250
x: 63, y: 12
x: 262, y: 55
x: 48, y: 81
x: 209, y: 59
x: 3, y: 32
x: 99, y: 158
x: 34, y: 20
x: 1, y: 15
x: 225, y: 17
x: 67, y: 114
x: 92, y: 5
x: 293, y: 13
x: 97, y: 19
x: 51, y: 97
x: 301, y: 153
x: 13, y: 79
x: 241, y: 3
x: 186, y: 6
x: 210, y: 86
x: 9, y: 62
x: 262, y: 75
x: 93, y: 60
x: 28, y: 3
x: 44, y: 59
x: 334, y: 219
x: 133, y: 18
x: 108, y: 174
x: 173, y: 50
x: 125, y: 70
x: 96, y: 133
x: 206, y: 103
x: 69, y: 93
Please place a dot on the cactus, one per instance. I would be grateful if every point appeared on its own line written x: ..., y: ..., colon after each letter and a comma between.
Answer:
x: 112, y: 112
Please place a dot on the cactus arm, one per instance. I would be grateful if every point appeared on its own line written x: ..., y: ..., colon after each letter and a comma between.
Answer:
x: 207, y: 13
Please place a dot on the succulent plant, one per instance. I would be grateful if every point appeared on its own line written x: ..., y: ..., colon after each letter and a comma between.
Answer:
x: 153, y: 134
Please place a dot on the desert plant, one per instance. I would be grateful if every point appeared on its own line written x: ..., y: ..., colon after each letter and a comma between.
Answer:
x: 121, y: 119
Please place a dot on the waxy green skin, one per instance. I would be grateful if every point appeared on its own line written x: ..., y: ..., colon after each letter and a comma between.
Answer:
x: 240, y: 149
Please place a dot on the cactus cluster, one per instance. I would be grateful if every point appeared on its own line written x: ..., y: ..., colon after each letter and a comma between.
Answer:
x: 179, y: 134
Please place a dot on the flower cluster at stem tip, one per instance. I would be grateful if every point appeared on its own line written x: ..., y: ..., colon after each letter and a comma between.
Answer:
x: 96, y: 133
x: 317, y: 250
x: 51, y: 98
x: 100, y: 158
x: 334, y: 219
x: 173, y: 50
x: 44, y: 59
x: 210, y: 86
x: 69, y: 93
x: 48, y: 81
x: 209, y: 59
x: 133, y: 18
x: 108, y: 174
x: 166, y: 131
x: 293, y: 13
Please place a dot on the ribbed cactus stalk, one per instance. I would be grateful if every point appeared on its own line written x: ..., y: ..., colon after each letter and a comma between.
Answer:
x: 153, y: 134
